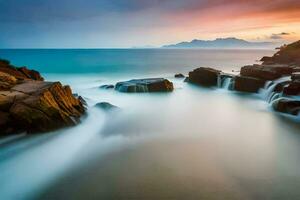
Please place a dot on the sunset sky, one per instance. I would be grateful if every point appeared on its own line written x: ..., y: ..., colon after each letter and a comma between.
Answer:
x: 127, y: 23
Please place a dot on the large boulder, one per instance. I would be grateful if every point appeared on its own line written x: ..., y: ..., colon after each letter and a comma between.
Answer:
x: 204, y: 76
x: 288, y: 106
x: 37, y: 106
x: 145, y: 85
x: 247, y: 84
x: 266, y: 72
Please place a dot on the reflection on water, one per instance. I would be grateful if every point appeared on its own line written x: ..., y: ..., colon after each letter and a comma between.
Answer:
x: 192, y: 143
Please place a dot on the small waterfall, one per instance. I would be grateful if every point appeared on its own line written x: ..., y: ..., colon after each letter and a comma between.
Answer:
x: 225, y: 82
x: 268, y: 94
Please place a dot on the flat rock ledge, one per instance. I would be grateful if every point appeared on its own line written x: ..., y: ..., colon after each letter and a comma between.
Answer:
x: 145, y: 85
x: 29, y: 104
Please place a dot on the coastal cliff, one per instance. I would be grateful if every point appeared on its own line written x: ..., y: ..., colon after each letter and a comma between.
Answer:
x: 30, y: 104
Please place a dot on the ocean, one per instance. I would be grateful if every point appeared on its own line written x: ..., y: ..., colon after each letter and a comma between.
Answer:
x: 193, y: 143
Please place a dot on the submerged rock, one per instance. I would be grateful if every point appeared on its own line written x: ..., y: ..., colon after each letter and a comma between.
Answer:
x: 107, y: 87
x: 204, y: 76
x: 179, y: 75
x: 106, y: 106
x: 288, y: 106
x: 247, y: 84
x: 145, y: 85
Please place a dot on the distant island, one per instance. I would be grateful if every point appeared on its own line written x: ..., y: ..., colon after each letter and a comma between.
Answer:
x: 222, y: 43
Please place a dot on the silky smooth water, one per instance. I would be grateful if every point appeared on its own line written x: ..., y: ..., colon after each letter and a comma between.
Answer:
x: 193, y: 143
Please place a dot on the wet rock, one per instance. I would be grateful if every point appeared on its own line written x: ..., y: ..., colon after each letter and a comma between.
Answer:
x: 179, y: 75
x: 288, y: 106
x: 292, y: 89
x: 295, y: 76
x: 266, y: 72
x: 279, y: 87
x: 106, y: 106
x: 247, y: 84
x: 145, y: 85
x: 204, y: 76
x: 107, y: 87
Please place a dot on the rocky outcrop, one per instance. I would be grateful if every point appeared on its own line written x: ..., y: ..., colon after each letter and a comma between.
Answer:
x: 247, y: 84
x: 204, y: 76
x: 145, y: 85
x: 288, y: 106
x: 28, y: 104
x: 288, y: 54
x: 179, y: 75
x: 20, y: 73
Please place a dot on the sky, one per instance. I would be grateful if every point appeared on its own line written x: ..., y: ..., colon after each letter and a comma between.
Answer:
x: 138, y: 23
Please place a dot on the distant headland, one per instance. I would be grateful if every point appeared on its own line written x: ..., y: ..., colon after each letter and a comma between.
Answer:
x: 225, y: 43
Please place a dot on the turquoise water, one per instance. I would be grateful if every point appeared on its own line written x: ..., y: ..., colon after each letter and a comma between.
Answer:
x: 193, y: 143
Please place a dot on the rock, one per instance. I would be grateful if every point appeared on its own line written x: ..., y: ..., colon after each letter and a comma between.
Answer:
x: 295, y: 76
x: 266, y: 72
x: 31, y: 74
x: 107, y: 86
x: 20, y: 73
x: 247, y: 84
x: 288, y: 106
x: 106, y: 106
x: 179, y: 75
x: 288, y: 54
x: 145, y: 85
x: 204, y: 76
x: 279, y: 87
x: 292, y: 89
x: 37, y: 106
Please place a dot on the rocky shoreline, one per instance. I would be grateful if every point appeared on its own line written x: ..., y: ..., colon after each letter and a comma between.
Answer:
x: 30, y: 104
x: 279, y: 74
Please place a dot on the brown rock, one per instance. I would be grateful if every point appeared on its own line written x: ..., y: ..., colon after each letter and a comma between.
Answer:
x: 247, y: 84
x: 37, y: 106
x: 266, y: 72
x: 292, y: 89
x: 288, y: 106
x: 204, y: 76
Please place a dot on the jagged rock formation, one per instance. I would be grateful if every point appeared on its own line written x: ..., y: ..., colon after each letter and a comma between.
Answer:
x: 28, y: 104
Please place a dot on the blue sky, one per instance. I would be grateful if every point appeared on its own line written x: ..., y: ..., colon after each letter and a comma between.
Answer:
x: 127, y: 23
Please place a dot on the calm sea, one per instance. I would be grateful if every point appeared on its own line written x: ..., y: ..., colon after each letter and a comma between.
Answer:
x: 193, y: 143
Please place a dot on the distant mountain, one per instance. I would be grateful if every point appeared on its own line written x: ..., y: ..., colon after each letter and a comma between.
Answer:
x: 222, y: 43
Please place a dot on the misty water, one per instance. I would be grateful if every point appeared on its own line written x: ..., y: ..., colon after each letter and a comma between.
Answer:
x: 192, y: 143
